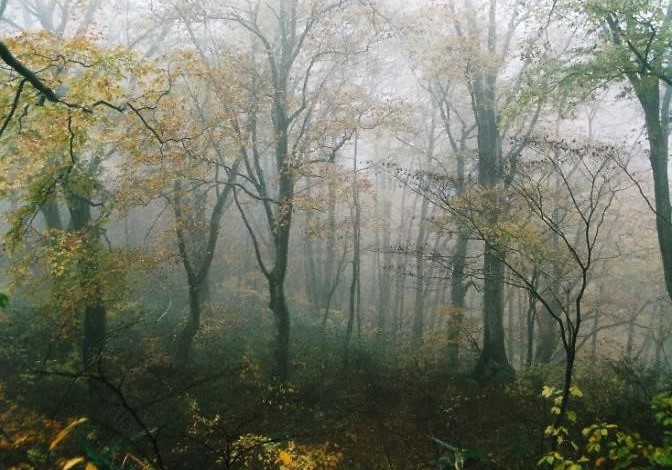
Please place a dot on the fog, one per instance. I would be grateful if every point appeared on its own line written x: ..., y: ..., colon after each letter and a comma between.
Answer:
x: 333, y: 234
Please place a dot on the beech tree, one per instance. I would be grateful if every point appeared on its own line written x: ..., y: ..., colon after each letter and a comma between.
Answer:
x: 477, y: 52
x: 458, y: 132
x: 628, y: 42
x: 57, y: 160
x: 197, y: 226
x: 293, y: 50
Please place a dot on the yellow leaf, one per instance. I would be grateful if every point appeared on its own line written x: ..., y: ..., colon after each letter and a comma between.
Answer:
x: 90, y: 466
x: 64, y: 432
x: 285, y: 458
x: 72, y: 462
x: 575, y: 391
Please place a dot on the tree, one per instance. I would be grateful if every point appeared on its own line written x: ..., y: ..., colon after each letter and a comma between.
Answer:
x: 282, y: 125
x: 458, y: 132
x: 630, y: 42
x: 198, y: 140
x: 498, y: 115
x: 564, y: 226
x: 57, y: 154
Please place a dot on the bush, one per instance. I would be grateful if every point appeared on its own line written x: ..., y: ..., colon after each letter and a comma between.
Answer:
x: 605, y: 445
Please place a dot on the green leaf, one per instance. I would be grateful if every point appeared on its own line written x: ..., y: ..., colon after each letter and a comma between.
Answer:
x: 4, y: 300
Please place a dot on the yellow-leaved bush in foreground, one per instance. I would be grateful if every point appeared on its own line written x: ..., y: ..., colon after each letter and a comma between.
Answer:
x: 605, y: 445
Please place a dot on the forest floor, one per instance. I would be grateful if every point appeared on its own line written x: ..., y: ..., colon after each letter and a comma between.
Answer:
x: 385, y: 407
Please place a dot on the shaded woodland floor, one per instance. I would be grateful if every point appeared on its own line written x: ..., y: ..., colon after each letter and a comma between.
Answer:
x: 387, y: 407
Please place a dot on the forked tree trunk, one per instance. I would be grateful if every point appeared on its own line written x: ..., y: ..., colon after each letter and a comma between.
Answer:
x: 198, y: 260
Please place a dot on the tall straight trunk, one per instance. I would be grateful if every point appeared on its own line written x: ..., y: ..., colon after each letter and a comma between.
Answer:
x: 278, y: 305
x: 511, y: 330
x: 418, y: 328
x: 331, y: 270
x: 458, y: 294
x: 660, y: 339
x: 400, y: 279
x: 420, y: 283
x: 186, y: 337
x: 493, y: 362
x: 399, y: 299
x: 95, y: 327
x: 276, y: 277
x: 355, y: 288
x: 549, y: 333
x: 281, y: 226
x: 523, y: 327
x: 656, y: 107
x: 547, y: 340
x: 95, y: 311
x: 531, y: 318
x: 314, y: 279
x: 384, y: 269
x: 655, y: 112
x: 52, y: 215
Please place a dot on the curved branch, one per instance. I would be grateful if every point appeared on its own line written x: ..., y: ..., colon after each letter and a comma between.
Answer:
x: 253, y: 237
x: 28, y: 74
x: 15, y: 105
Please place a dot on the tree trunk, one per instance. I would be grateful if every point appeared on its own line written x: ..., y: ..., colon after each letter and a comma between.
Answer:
x: 355, y: 288
x: 95, y: 312
x: 197, y: 260
x: 314, y: 294
x: 384, y: 270
x: 315, y: 282
x: 493, y: 363
x: 331, y: 270
x: 531, y: 317
x: 95, y: 325
x: 419, y: 311
x: 52, y: 215
x: 186, y: 337
x: 400, y: 275
x: 458, y: 294
x: 278, y: 305
x: 548, y: 334
x: 510, y: 326
x: 648, y: 92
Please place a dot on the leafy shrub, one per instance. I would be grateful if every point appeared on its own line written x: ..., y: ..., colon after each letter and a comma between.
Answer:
x: 605, y: 445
